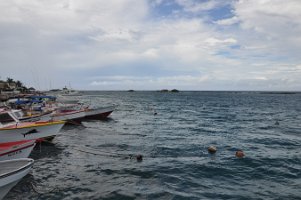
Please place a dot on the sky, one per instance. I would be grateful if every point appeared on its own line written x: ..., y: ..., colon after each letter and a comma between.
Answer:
x: 152, y: 44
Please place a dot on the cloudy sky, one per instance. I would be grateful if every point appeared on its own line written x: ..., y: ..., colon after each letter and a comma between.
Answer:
x: 152, y: 44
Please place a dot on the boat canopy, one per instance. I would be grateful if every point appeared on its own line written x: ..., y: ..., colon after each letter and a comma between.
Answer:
x: 33, y: 99
x: 43, y: 97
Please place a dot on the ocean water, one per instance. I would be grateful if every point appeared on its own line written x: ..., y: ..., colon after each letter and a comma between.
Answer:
x: 94, y: 161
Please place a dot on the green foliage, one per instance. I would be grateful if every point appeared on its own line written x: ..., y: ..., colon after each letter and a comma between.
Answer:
x: 19, y: 85
x: 10, y: 80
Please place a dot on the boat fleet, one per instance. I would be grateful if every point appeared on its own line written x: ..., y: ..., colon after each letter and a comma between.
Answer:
x: 28, y: 119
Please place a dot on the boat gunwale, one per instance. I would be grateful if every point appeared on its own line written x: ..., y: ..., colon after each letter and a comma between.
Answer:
x: 28, y: 165
x: 70, y: 113
x: 37, y: 124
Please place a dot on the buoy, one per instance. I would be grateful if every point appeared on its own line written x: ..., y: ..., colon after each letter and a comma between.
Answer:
x: 139, y: 157
x: 155, y: 113
x: 212, y: 149
x: 239, y: 154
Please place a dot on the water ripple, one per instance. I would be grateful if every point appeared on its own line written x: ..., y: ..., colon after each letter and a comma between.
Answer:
x: 176, y: 164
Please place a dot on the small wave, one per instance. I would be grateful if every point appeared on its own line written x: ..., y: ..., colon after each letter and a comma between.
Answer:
x: 191, y: 111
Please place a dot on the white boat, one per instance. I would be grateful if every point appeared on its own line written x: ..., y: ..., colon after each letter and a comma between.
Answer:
x: 69, y: 115
x: 99, y: 113
x: 69, y: 92
x: 14, y: 150
x: 84, y: 114
x: 11, y: 172
x: 11, y: 129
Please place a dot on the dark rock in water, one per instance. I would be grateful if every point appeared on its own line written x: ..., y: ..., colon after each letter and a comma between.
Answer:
x: 139, y: 157
x: 278, y: 92
x: 239, y: 154
x: 131, y: 90
x: 212, y: 149
x: 165, y: 90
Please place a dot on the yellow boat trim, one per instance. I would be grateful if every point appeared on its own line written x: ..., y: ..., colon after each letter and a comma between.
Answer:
x: 34, y: 125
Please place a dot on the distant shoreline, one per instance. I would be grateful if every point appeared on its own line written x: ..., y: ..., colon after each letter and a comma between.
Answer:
x: 230, y: 91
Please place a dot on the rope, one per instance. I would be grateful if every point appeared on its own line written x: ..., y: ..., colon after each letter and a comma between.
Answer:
x: 96, y: 128
x: 94, y: 153
x: 42, y: 192
x: 91, y: 127
x: 91, y: 151
x: 109, y: 154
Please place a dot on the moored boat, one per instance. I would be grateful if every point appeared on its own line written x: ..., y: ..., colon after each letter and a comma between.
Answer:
x: 99, y: 113
x: 14, y: 150
x: 11, y: 129
x: 70, y: 92
x: 71, y: 114
x: 11, y: 172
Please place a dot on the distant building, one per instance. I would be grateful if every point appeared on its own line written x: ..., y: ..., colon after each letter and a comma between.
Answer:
x: 12, y: 85
x: 8, y: 88
x: 4, y: 85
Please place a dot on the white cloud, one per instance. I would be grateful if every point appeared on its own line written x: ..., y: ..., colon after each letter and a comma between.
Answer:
x: 151, y: 53
x: 214, y: 41
x: 228, y: 21
x: 63, y: 40
x: 276, y: 23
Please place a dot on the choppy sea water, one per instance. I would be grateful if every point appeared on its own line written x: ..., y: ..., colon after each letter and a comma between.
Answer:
x: 92, y: 161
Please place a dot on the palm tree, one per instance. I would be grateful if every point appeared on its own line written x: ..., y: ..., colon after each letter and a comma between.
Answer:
x: 9, y: 80
x: 19, y: 84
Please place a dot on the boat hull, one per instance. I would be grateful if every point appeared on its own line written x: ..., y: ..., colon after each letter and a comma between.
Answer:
x: 15, y: 150
x: 10, y: 178
x: 96, y: 116
x: 85, y: 114
x: 100, y: 113
x: 30, y: 132
x: 72, y: 115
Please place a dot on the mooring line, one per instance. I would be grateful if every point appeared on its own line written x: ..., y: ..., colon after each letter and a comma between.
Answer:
x: 106, y: 130
x: 43, y: 192
x: 111, y: 154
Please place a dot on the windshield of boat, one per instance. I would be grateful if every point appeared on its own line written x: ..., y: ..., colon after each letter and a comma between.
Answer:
x: 18, y: 113
x: 5, y: 119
